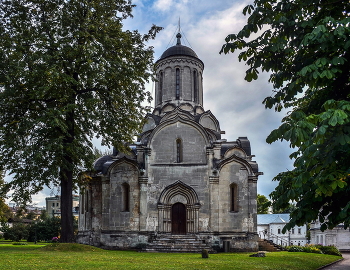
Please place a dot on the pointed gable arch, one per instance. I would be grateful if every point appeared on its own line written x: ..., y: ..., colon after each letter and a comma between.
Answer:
x: 177, y: 112
x: 208, y: 120
x: 178, y: 189
x: 178, y: 193
x: 133, y: 165
x: 235, y: 150
x: 244, y: 163
x: 194, y: 140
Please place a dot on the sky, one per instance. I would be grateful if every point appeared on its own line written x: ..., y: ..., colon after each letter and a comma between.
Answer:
x: 236, y: 103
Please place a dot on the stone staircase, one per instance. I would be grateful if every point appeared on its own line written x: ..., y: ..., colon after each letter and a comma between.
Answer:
x: 177, y: 243
x: 268, y: 245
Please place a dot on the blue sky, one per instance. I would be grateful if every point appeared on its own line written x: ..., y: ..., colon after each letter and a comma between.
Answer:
x: 236, y: 103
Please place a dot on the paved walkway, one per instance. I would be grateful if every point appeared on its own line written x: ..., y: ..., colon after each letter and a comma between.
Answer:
x: 342, y: 265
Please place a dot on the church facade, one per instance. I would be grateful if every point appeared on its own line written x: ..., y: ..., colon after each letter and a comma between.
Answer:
x: 181, y: 181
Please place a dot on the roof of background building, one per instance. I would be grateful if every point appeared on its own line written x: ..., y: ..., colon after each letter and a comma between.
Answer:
x: 272, y: 218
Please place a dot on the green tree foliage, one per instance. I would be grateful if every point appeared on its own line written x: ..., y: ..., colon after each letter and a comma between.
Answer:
x: 289, y: 209
x: 68, y: 72
x: 44, y: 230
x: 263, y: 204
x: 304, y: 45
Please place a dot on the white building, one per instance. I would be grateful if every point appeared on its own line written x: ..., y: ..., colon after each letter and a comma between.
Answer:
x: 270, y: 227
x: 338, y: 237
x: 53, y: 206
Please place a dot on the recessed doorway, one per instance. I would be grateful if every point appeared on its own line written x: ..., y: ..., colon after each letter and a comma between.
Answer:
x: 178, y: 218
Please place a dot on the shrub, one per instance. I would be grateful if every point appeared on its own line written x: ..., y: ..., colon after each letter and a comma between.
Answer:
x: 295, y: 249
x: 141, y: 245
x: 330, y: 250
x: 315, y: 250
x: 19, y: 244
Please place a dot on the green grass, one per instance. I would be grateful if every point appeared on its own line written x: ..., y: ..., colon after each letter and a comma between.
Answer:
x: 74, y: 256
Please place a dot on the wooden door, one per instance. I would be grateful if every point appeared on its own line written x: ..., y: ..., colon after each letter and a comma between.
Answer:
x: 178, y: 219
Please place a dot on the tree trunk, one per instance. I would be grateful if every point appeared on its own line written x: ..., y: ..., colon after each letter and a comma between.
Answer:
x: 67, y: 231
x: 66, y: 175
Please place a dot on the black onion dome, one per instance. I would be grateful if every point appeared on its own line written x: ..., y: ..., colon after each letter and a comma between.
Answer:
x: 98, y: 164
x: 178, y: 50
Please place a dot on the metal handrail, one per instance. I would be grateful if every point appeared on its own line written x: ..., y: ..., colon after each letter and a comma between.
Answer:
x: 278, y: 240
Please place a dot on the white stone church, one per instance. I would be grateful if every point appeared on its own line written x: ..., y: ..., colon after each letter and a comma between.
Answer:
x: 182, y: 187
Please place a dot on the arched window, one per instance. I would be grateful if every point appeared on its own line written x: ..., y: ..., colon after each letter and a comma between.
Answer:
x: 234, y: 197
x: 195, y: 86
x: 160, y: 87
x: 177, y: 83
x: 178, y: 151
x: 126, y: 197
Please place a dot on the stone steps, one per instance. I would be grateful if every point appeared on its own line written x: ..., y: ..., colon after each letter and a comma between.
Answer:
x: 177, y: 243
x: 268, y: 245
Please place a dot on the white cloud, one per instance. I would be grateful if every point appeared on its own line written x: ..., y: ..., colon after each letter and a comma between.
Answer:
x: 163, y: 5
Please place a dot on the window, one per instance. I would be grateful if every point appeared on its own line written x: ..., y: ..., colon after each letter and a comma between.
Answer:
x: 57, y: 204
x: 293, y: 231
x: 87, y: 201
x: 195, y: 86
x: 299, y: 230
x: 82, y: 203
x: 234, y: 197
x: 279, y: 231
x: 177, y: 83
x: 160, y: 87
x: 53, y: 204
x: 178, y: 151
x: 126, y: 197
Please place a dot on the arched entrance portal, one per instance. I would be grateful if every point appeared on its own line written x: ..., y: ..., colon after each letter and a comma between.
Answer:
x: 178, y: 208
x: 178, y: 218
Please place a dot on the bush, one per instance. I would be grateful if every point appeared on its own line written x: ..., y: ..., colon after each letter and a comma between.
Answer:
x: 141, y: 245
x: 312, y: 249
x: 319, y: 249
x: 295, y: 249
x: 330, y: 250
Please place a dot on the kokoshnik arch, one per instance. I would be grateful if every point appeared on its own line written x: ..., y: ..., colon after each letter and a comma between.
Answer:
x: 181, y: 180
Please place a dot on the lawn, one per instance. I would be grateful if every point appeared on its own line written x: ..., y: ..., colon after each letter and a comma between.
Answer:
x: 76, y: 256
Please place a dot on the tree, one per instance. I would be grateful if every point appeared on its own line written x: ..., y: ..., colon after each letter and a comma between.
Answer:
x: 16, y: 233
x: 304, y: 45
x: 263, y: 204
x: 289, y: 209
x: 68, y: 72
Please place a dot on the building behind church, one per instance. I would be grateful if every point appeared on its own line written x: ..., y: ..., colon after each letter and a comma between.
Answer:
x: 182, y: 187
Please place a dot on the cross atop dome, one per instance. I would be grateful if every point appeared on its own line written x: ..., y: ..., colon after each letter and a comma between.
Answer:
x: 178, y: 36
